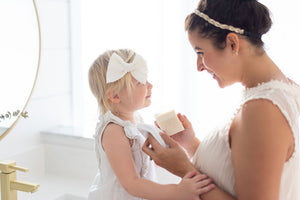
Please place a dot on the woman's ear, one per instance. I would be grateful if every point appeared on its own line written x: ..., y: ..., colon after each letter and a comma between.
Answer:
x: 233, y: 41
x: 113, y: 96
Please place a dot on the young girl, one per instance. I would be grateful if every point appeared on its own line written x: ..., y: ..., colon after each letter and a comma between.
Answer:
x: 118, y: 79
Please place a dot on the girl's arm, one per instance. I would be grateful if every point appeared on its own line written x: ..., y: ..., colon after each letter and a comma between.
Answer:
x: 261, y: 143
x: 118, y: 150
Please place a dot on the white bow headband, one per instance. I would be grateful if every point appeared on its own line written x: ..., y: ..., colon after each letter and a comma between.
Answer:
x: 117, y: 68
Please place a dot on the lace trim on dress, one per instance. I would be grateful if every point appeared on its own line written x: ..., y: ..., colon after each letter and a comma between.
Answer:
x: 291, y: 87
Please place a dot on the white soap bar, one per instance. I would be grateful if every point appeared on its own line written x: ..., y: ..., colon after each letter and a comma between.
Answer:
x: 169, y: 122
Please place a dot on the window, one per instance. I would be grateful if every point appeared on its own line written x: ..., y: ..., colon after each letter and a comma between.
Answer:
x: 155, y: 30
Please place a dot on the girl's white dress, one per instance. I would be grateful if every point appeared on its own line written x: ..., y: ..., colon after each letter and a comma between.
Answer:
x: 106, y: 185
x: 213, y: 156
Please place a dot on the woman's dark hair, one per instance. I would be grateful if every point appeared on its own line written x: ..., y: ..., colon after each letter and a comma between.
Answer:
x: 249, y: 15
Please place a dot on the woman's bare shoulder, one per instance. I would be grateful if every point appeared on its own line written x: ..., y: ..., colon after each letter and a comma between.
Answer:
x: 260, y: 144
x: 262, y: 123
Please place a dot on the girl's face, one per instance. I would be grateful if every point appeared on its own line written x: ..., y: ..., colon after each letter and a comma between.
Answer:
x: 216, y: 62
x: 140, y: 96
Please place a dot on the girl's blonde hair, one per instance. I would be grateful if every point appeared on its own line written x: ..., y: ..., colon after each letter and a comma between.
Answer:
x: 97, y: 78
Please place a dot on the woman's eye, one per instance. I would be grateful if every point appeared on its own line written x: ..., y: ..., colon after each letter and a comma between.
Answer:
x: 200, y: 53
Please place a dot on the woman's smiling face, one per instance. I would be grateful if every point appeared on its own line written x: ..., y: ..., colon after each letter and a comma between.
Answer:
x: 215, y: 61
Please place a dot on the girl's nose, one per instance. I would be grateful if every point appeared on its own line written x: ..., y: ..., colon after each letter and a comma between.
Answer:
x: 149, y: 85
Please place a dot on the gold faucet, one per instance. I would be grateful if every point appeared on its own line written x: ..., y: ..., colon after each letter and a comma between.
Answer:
x: 9, y: 184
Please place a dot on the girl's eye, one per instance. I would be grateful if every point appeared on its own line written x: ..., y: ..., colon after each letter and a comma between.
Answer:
x: 138, y: 83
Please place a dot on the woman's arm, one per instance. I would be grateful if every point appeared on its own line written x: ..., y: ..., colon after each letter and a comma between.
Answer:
x: 118, y: 150
x: 176, y: 161
x: 261, y: 142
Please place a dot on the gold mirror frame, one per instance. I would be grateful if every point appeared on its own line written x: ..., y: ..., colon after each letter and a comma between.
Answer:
x: 36, y: 75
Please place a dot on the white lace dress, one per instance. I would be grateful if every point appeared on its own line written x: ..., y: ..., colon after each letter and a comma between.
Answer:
x: 106, y: 185
x: 213, y: 156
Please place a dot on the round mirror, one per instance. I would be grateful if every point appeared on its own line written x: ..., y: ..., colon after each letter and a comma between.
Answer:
x: 20, y: 51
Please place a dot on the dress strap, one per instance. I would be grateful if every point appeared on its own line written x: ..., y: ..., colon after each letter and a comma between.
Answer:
x: 129, y: 128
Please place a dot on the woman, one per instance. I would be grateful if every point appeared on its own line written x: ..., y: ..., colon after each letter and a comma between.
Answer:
x: 256, y: 154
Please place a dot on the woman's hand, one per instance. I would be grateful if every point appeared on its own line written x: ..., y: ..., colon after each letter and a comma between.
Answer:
x: 193, y: 185
x: 186, y: 138
x: 173, y: 158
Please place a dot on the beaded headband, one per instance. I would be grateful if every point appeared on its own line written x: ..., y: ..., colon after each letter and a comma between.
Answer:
x: 225, y: 26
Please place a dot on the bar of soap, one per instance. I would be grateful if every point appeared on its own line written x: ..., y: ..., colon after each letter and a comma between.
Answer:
x: 169, y: 122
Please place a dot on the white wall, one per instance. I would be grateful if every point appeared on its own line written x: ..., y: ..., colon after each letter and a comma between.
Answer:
x: 51, y: 101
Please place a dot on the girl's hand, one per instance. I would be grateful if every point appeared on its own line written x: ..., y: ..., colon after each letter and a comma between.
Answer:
x: 193, y: 185
x: 173, y: 158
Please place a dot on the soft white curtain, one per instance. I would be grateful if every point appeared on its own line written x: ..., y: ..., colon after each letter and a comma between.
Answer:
x: 155, y: 29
